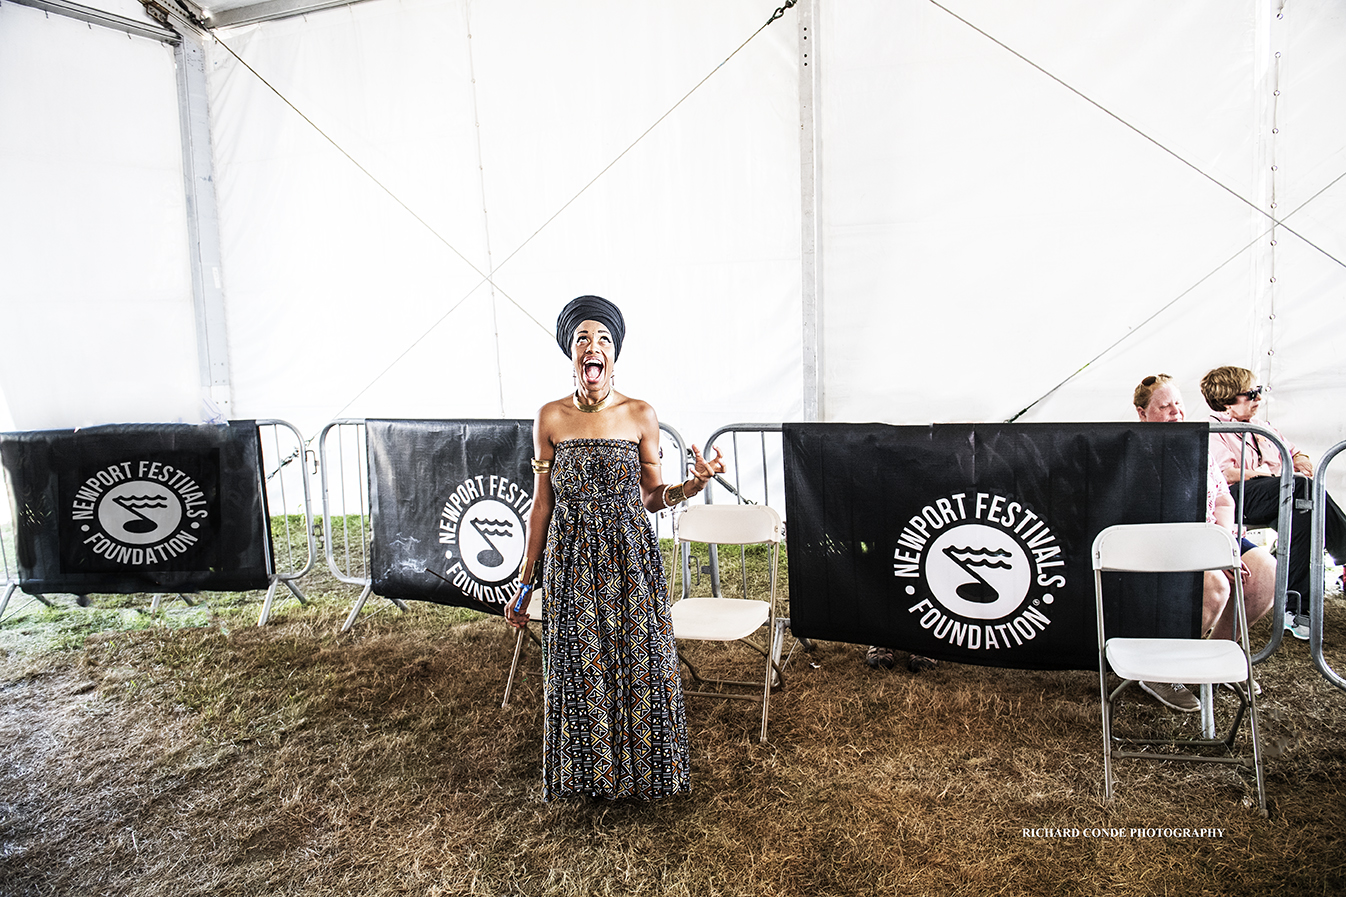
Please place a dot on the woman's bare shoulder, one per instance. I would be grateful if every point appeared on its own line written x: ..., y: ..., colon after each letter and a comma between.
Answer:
x: 640, y: 409
x: 549, y: 417
x: 642, y: 415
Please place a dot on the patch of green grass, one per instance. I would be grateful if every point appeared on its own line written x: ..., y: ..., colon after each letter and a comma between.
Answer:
x: 32, y: 627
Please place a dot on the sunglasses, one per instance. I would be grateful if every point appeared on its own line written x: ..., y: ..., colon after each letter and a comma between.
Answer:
x: 1253, y: 394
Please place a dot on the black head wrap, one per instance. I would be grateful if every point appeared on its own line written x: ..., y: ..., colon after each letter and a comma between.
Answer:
x: 589, y: 308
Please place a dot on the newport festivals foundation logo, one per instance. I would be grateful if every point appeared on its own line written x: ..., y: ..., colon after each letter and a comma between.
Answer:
x: 481, y: 526
x: 142, y: 513
x: 981, y: 569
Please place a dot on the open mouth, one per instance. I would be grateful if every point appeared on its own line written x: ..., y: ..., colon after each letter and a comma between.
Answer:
x: 593, y: 371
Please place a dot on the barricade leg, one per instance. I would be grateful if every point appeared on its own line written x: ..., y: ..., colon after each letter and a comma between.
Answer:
x: 270, y: 597
x: 359, y: 606
x: 157, y: 601
x: 10, y: 589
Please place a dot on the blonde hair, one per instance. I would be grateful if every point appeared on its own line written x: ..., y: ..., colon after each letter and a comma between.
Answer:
x: 1141, y: 397
x: 1221, y: 387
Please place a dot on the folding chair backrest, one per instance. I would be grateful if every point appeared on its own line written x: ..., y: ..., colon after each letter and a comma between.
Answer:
x: 1165, y: 548
x: 729, y: 524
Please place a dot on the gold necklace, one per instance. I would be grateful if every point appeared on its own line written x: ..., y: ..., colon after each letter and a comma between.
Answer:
x: 595, y: 407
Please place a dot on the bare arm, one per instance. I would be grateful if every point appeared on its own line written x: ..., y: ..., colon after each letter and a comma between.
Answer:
x: 1234, y: 474
x: 539, y: 519
x: 651, y: 466
x: 654, y: 494
x: 1302, y: 464
x: 1224, y: 510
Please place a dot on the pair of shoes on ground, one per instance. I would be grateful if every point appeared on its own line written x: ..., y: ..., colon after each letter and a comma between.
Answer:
x: 880, y: 657
x: 1180, y: 697
x: 918, y: 662
x: 1297, y: 625
x: 1172, y: 694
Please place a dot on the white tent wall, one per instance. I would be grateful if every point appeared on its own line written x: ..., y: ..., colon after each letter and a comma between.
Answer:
x: 987, y: 232
x: 478, y: 128
x: 990, y: 240
x: 95, y: 295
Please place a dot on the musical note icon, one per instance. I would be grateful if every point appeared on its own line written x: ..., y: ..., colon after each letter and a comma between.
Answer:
x: 133, y: 505
x: 980, y: 591
x: 491, y: 556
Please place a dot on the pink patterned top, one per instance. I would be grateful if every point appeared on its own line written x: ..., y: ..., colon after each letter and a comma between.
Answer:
x: 1225, y: 448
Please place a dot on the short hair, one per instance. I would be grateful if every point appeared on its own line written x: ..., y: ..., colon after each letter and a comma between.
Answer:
x: 1141, y: 397
x: 1221, y: 387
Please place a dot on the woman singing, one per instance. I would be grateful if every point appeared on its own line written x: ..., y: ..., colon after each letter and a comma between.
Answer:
x: 614, y: 723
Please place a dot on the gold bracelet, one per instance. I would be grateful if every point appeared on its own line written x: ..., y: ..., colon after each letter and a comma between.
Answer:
x: 674, y: 495
x: 541, y: 465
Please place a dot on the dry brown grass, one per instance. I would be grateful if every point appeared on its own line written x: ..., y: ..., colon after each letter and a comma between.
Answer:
x: 227, y: 759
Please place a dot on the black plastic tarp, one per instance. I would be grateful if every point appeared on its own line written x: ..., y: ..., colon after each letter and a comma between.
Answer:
x: 139, y: 507
x: 971, y: 542
x: 449, y: 500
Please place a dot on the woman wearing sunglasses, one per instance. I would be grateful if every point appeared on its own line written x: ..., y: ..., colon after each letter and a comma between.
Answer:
x: 1158, y: 400
x: 1230, y: 393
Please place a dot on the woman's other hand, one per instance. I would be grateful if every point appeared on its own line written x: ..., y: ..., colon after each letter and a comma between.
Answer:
x: 518, y: 619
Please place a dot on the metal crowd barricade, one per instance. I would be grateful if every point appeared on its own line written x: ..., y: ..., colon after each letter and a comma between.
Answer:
x: 670, y: 440
x: 344, y: 475
x: 1283, y: 528
x: 1317, y: 589
x: 755, y: 468
x: 284, y: 461
x: 754, y: 474
x: 10, y: 570
x: 284, y: 474
x: 749, y: 472
x: 1285, y: 507
x: 343, y: 465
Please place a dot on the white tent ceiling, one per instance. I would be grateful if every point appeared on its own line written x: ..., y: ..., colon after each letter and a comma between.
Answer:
x: 1018, y: 206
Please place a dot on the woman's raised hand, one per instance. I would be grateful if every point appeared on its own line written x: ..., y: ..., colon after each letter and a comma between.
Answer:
x: 703, y: 469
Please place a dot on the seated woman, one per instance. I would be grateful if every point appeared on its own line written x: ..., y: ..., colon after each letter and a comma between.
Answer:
x: 1230, y: 393
x: 1157, y: 399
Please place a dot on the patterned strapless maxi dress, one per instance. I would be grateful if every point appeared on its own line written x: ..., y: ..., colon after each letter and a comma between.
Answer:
x: 614, y: 720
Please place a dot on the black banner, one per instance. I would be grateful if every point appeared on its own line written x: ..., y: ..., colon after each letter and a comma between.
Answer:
x: 449, y: 500
x: 971, y: 542
x: 139, y: 507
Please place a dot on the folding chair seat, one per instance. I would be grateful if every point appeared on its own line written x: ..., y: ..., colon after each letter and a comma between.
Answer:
x: 731, y: 619
x: 1174, y: 548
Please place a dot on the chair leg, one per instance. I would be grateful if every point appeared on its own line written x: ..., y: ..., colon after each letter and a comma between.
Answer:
x: 1105, y: 706
x: 766, y: 692
x: 697, y: 681
x: 1257, y: 746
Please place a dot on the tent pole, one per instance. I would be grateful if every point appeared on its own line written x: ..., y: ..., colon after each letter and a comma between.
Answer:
x: 808, y: 180
x: 94, y: 16
x: 203, y: 231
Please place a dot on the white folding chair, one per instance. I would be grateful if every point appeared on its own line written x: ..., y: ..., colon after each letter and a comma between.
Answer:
x: 731, y: 619
x: 1173, y: 548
